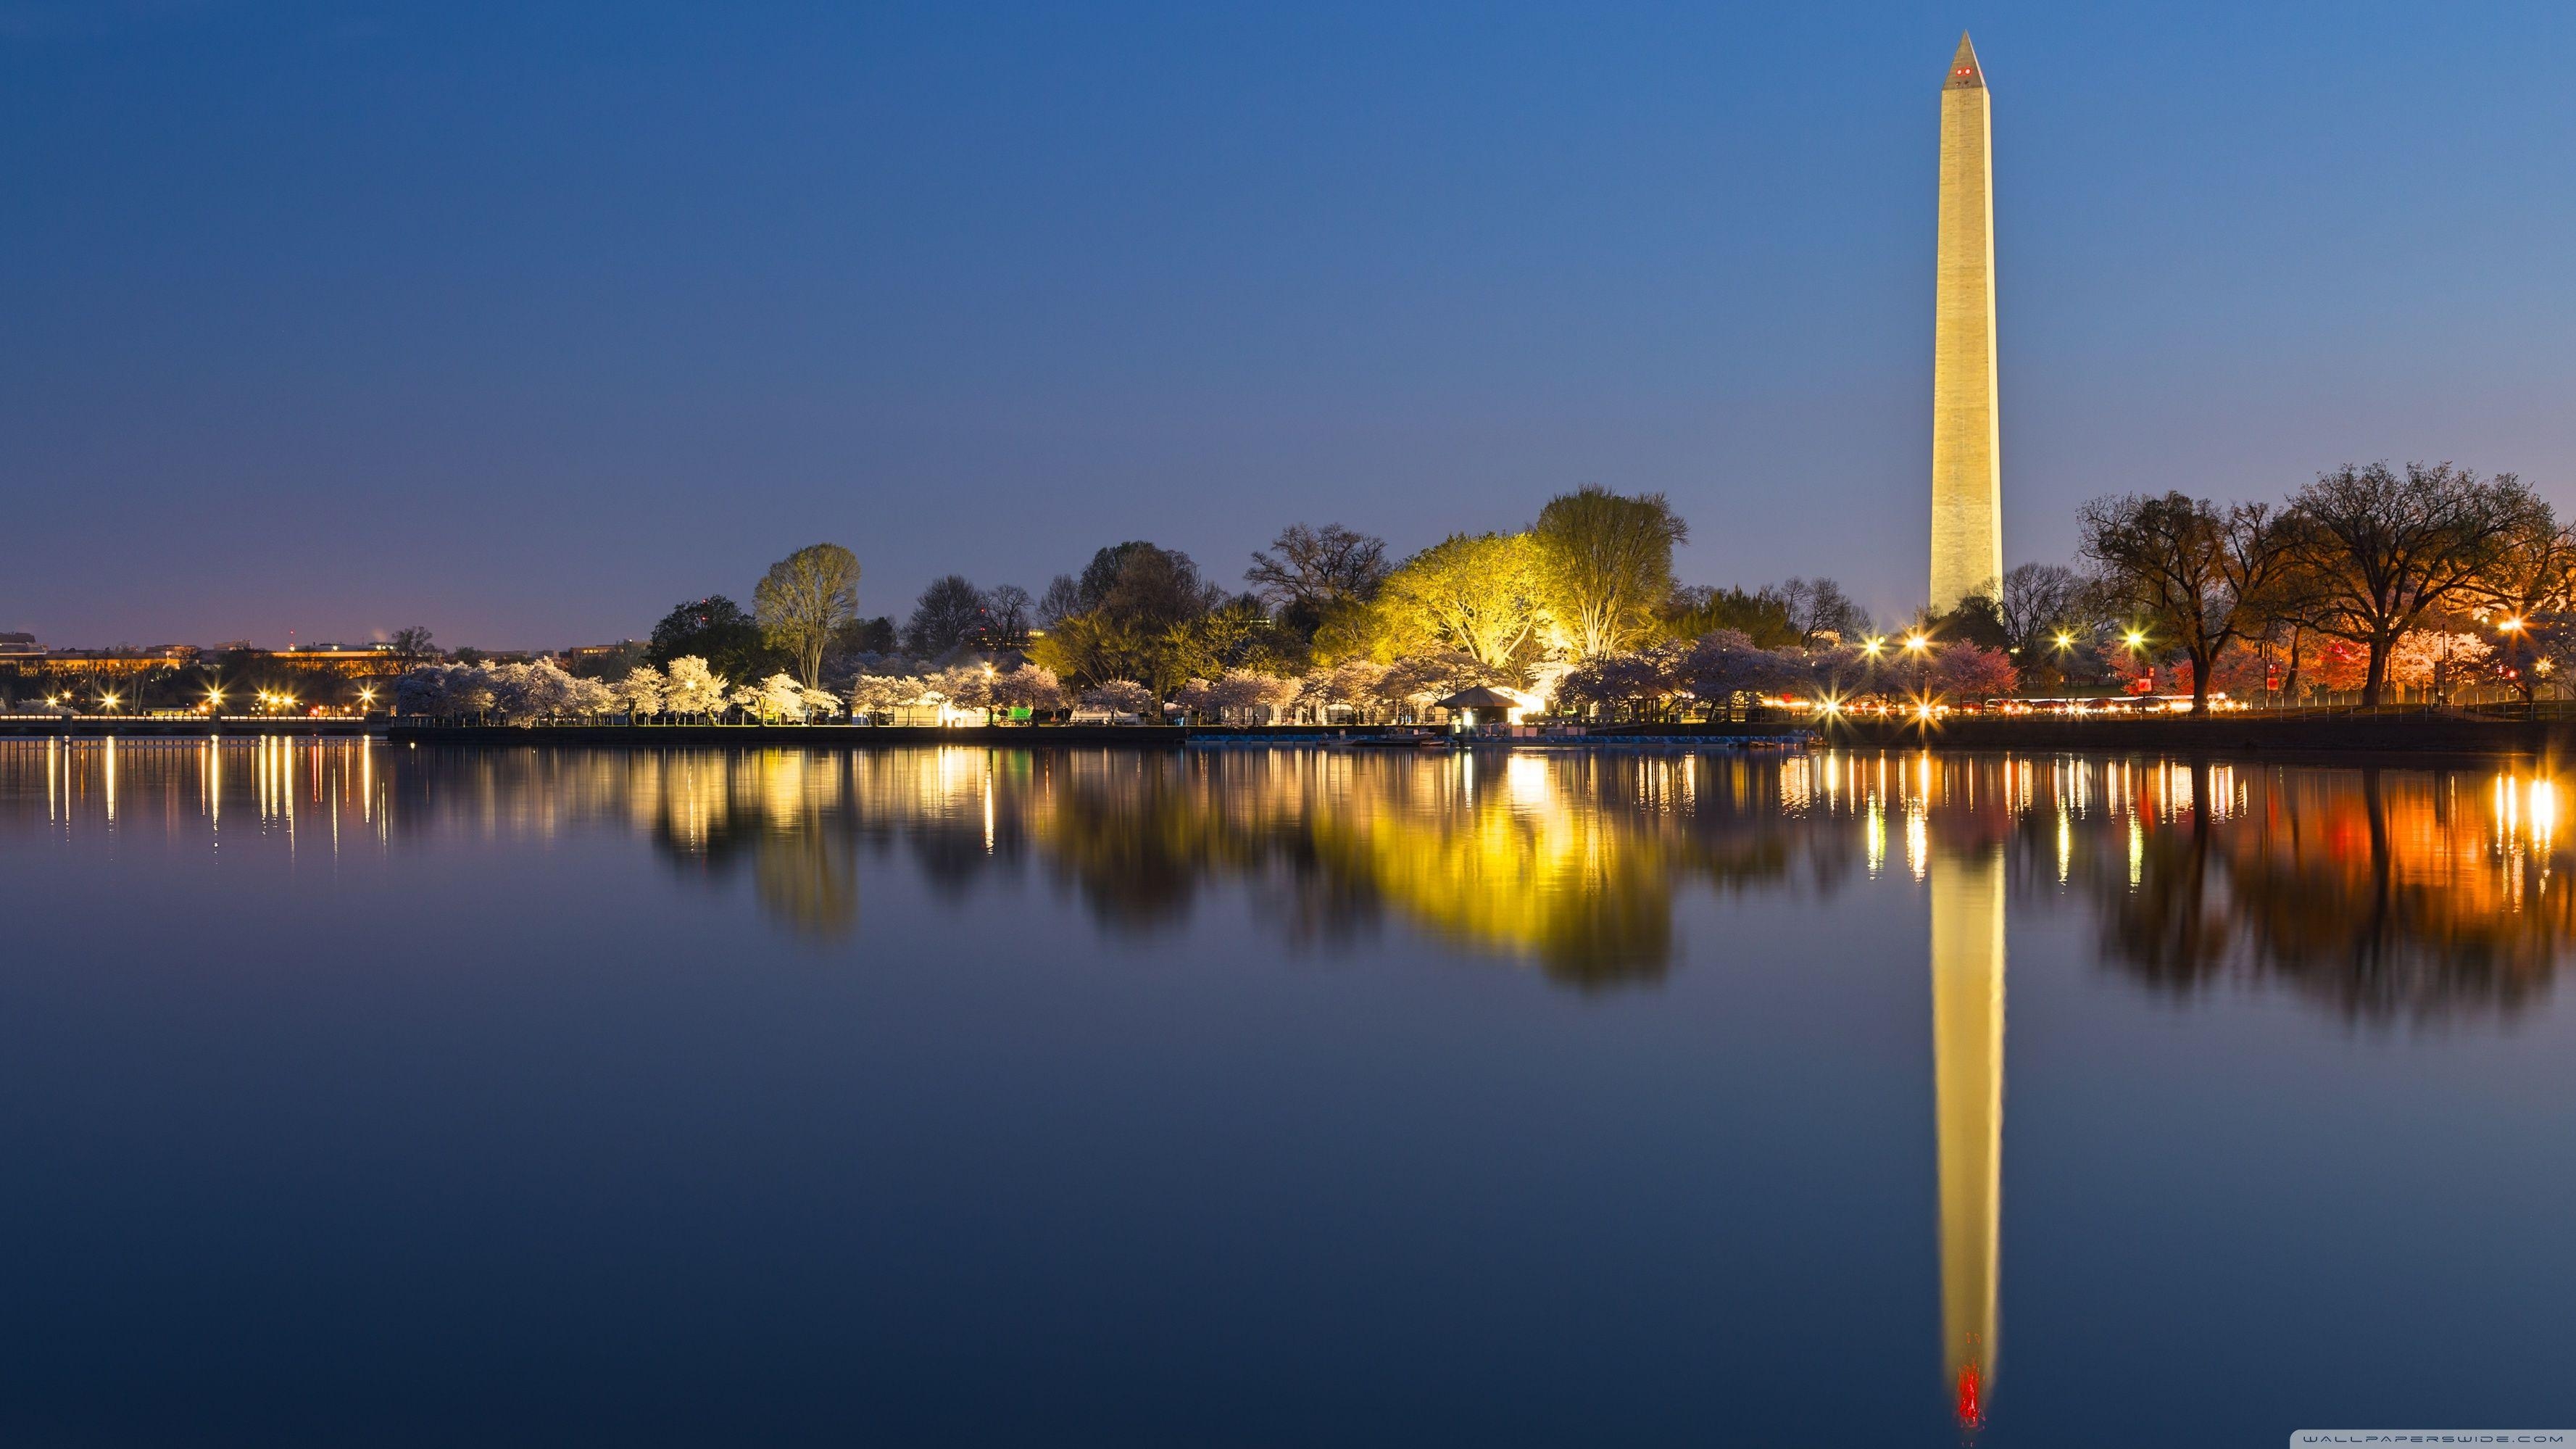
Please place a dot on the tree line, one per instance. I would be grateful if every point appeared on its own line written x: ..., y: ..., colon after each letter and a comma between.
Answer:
x: 2369, y: 576
x: 2386, y: 567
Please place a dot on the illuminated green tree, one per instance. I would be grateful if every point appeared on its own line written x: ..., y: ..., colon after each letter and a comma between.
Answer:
x: 1483, y: 593
x: 1606, y: 565
x: 802, y: 599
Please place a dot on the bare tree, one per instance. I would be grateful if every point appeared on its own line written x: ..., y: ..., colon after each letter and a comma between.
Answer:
x: 412, y: 648
x: 1007, y: 612
x: 1818, y: 607
x: 2524, y: 592
x: 2377, y: 551
x: 1311, y: 571
x: 2188, y: 569
x: 802, y: 599
x: 2039, y: 601
x: 1061, y: 601
x: 948, y: 611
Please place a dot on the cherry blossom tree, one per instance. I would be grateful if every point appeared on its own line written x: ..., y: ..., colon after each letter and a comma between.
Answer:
x: 1973, y: 672
x: 1122, y: 696
x: 875, y: 694
x: 1027, y: 687
x: 640, y: 691
x: 692, y: 688
x: 1351, y: 684
x: 2436, y: 660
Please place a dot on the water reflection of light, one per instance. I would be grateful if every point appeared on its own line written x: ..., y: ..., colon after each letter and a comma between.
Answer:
x: 2137, y: 852
x: 2544, y: 816
x: 2065, y: 844
x: 1918, y: 839
x: 1967, y: 939
x: 1874, y: 836
x: 1526, y: 778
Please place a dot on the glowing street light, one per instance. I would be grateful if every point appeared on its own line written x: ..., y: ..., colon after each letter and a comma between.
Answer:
x: 1916, y: 643
x: 1873, y: 645
x: 2512, y: 625
x: 109, y: 700
x: 2065, y: 642
x: 2137, y: 638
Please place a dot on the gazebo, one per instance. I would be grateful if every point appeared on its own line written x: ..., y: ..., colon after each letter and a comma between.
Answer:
x: 1466, y: 703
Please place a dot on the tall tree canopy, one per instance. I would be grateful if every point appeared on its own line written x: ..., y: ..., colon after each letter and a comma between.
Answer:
x: 950, y: 612
x: 2378, y: 550
x: 1483, y: 593
x: 1818, y: 608
x: 1606, y: 565
x: 1760, y: 615
x: 802, y: 599
x: 2039, y: 601
x: 412, y: 646
x: 1309, y: 573
x: 716, y: 631
x: 1141, y: 585
x: 2525, y: 593
x: 2193, y: 574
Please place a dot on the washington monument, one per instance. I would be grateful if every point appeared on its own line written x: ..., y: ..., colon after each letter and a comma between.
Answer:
x: 1967, y: 465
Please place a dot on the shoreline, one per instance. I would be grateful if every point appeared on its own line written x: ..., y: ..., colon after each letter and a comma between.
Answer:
x: 2312, y: 737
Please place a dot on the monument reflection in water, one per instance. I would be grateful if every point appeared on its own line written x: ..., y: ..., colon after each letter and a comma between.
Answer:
x: 2383, y: 896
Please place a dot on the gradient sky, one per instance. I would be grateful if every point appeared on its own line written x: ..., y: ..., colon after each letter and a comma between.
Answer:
x: 527, y: 321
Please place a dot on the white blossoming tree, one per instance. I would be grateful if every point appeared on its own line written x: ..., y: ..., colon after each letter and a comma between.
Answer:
x: 525, y: 691
x: 692, y: 688
x: 878, y: 694
x: 2437, y: 660
x: 1027, y: 687
x: 640, y: 691
x: 1351, y: 684
x: 964, y: 686
x: 1122, y: 696
x: 780, y: 696
x: 1243, y: 693
x: 444, y: 689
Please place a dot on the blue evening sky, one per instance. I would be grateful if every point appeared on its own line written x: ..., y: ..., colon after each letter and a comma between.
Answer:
x: 527, y: 321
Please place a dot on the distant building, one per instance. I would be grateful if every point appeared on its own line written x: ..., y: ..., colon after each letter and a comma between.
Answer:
x: 99, y: 661
x: 30, y: 658
x: 597, y: 651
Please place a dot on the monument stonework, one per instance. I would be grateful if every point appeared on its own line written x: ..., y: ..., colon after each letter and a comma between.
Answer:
x: 1967, y: 464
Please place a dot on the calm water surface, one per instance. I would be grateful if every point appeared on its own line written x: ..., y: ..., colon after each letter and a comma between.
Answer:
x: 363, y: 1094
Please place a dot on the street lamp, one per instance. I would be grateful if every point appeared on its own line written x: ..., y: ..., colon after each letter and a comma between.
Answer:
x: 1873, y: 645
x: 2065, y: 642
x: 2137, y: 638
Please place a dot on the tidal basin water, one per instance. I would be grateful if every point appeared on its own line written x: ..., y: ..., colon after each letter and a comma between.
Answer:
x: 367, y: 1094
